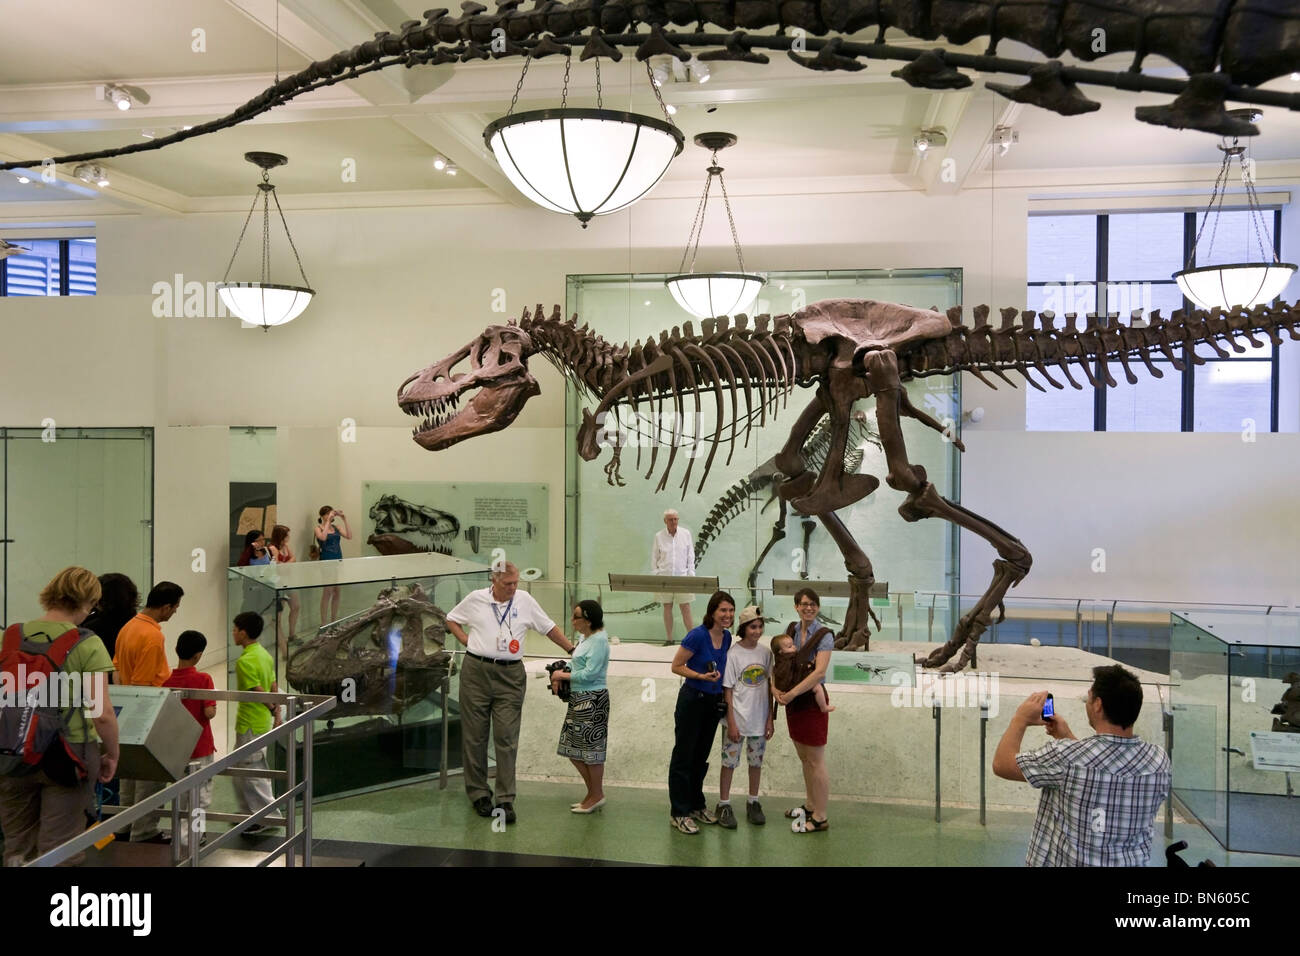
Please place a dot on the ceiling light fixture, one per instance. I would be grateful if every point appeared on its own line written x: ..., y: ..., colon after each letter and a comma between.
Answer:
x: 1246, y: 283
x: 123, y: 97
x: 439, y: 163
x: 265, y: 303
x: 929, y: 138
x: 451, y: 169
x: 91, y: 174
x: 23, y: 177
x: 710, y: 294
x: 583, y: 162
x: 1004, y: 137
x: 670, y: 109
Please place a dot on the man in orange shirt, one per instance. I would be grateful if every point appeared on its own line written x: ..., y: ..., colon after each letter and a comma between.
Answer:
x: 141, y: 659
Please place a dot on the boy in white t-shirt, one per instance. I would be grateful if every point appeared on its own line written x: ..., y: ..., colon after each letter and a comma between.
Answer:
x: 747, y: 689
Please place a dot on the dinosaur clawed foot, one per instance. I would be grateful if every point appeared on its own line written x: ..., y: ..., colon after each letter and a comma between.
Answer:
x: 966, y: 639
x: 856, y: 633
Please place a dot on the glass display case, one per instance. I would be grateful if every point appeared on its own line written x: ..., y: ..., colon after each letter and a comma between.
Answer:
x: 371, y: 631
x: 743, y: 534
x: 1235, y: 753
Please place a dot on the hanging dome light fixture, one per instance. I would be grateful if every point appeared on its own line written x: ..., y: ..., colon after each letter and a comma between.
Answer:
x: 583, y: 162
x: 1246, y: 284
x: 265, y: 303
x: 709, y: 294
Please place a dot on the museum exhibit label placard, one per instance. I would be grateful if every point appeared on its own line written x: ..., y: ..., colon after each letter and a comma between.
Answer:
x: 1275, y: 751
x: 478, y: 521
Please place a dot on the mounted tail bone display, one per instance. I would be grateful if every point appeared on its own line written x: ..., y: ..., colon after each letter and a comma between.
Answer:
x: 846, y: 350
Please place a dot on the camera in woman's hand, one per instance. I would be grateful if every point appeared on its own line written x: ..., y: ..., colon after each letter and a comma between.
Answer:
x: 564, y: 689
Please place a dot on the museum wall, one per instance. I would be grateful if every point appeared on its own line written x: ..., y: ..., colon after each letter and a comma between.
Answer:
x: 402, y: 287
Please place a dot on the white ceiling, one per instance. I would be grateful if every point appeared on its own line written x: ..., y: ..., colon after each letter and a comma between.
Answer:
x: 794, y: 125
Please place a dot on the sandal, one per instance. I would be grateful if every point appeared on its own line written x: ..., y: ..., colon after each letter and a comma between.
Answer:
x: 814, y: 826
x: 794, y: 813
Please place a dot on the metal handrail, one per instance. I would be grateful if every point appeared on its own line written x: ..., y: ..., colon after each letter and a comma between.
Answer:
x: 1010, y: 599
x: 319, y: 706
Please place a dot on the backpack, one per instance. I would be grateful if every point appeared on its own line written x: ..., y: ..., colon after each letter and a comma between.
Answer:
x: 34, y: 735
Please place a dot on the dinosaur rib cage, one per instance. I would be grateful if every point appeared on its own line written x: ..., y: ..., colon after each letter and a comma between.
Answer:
x: 1023, y: 348
x: 760, y: 363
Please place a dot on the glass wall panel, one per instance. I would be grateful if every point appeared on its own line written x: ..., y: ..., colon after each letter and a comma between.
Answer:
x: 1236, y: 236
x: 1062, y: 248
x: 1152, y: 405
x: 75, y: 496
x: 1144, y: 246
x: 742, y: 532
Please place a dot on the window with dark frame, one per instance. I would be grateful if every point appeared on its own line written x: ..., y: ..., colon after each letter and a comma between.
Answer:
x: 1119, y: 262
x: 50, y: 267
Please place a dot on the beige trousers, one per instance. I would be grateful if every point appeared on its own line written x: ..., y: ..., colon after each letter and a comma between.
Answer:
x: 491, y: 697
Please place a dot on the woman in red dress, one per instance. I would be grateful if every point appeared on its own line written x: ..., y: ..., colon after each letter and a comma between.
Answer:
x: 808, y: 722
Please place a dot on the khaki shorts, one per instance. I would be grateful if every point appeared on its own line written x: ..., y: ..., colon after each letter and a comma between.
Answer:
x: 674, y: 598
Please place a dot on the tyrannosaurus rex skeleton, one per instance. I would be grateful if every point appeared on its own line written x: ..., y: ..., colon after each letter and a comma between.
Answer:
x: 847, y: 350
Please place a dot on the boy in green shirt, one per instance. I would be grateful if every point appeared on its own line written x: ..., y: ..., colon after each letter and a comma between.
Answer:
x: 254, y: 670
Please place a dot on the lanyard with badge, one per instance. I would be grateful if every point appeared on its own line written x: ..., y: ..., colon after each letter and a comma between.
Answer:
x: 506, y: 643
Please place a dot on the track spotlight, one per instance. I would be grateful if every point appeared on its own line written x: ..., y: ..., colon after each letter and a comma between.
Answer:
x: 439, y: 163
x: 927, y: 139
x: 91, y: 174
x: 123, y: 97
x: 451, y: 169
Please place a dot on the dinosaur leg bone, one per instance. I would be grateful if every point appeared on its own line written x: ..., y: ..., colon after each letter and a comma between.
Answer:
x: 834, y: 489
x: 923, y: 501
x: 789, y: 460
x: 856, y: 633
x: 809, y: 526
x: 778, y: 533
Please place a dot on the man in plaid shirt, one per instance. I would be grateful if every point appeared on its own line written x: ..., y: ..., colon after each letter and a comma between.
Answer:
x: 1100, y: 795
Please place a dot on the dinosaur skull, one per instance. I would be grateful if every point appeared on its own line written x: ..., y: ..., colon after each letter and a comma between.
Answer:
x: 453, y: 406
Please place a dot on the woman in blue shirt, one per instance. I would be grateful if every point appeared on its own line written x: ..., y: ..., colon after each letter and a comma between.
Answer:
x: 702, y: 660
x: 329, y: 540
x: 586, y: 725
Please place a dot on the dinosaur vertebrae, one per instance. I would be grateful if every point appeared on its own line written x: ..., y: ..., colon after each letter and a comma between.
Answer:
x: 760, y: 363
x: 1254, y: 42
x: 1024, y: 348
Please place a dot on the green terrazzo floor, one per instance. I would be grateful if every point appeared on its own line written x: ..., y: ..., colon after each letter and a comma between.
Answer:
x: 633, y: 828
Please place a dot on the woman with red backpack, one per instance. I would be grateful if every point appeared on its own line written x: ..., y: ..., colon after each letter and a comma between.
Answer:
x: 47, y: 788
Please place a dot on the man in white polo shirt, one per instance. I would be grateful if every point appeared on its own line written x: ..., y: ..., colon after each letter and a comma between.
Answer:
x: 673, y: 555
x: 491, y: 623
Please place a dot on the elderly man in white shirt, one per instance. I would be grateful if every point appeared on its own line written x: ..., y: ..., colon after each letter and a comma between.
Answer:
x: 491, y: 623
x: 673, y: 554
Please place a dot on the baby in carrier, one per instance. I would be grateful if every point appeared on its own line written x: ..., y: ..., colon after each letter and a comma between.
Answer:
x: 789, y: 668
